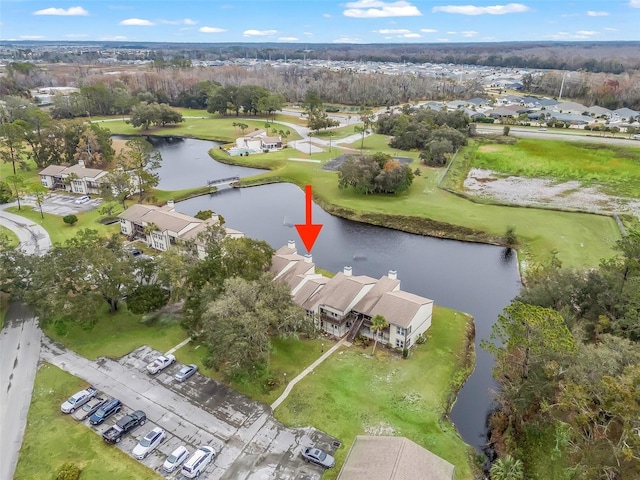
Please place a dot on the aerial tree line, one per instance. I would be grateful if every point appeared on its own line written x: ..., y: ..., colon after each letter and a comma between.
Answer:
x: 230, y: 300
x: 568, y: 364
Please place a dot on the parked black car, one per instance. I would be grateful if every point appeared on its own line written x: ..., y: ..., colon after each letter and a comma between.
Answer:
x: 112, y: 406
x: 124, y: 426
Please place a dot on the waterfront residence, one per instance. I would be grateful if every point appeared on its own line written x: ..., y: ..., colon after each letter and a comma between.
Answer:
x: 346, y: 304
x: 75, y: 179
x: 392, y: 458
x: 258, y: 142
x: 162, y: 227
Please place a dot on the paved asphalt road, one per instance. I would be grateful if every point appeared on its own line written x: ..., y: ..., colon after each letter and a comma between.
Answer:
x: 19, y: 354
x: 34, y: 239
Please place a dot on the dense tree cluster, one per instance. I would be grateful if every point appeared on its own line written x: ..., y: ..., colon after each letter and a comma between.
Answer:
x: 317, y: 117
x: 568, y: 361
x: 435, y: 133
x: 378, y: 173
x: 146, y: 114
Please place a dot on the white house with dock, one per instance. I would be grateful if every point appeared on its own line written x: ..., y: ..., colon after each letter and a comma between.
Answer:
x: 346, y: 304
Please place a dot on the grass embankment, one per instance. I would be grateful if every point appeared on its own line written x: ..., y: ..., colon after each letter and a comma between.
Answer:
x: 29, y: 174
x: 614, y: 168
x: 10, y: 237
x: 60, y: 231
x: 52, y: 438
x: 352, y: 393
x: 208, y: 128
x: 580, y: 239
x: 115, y: 335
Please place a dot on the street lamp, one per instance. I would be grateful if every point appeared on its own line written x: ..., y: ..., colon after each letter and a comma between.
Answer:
x: 285, y: 378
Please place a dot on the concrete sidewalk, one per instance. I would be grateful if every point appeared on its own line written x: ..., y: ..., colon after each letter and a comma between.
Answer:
x: 305, y: 372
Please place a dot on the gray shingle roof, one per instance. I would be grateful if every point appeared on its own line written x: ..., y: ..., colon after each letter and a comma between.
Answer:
x: 368, y: 302
x: 399, y: 307
x: 393, y: 458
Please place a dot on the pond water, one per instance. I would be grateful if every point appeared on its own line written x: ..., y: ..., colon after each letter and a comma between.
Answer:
x: 473, y: 278
x: 187, y: 164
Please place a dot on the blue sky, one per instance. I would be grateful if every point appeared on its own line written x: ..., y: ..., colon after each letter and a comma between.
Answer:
x: 320, y: 21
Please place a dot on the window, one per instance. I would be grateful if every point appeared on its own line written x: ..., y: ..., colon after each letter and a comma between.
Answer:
x: 400, y: 331
x: 399, y: 343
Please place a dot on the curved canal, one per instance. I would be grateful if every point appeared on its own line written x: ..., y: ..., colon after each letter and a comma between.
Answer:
x: 473, y: 278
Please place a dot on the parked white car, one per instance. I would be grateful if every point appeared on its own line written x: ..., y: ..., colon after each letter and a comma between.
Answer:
x: 160, y: 363
x: 198, y: 462
x: 78, y: 399
x: 174, y: 460
x: 150, y: 441
x: 81, y: 200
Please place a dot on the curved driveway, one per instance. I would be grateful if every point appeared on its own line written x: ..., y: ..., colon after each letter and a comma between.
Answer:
x: 34, y: 239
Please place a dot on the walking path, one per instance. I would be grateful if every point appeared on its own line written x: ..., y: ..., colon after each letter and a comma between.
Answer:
x: 180, y: 345
x: 305, y: 372
x: 34, y: 239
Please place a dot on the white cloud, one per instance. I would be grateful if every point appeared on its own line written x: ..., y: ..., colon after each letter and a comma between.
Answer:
x: 442, y: 39
x: 76, y: 35
x: 137, y: 22
x: 579, y: 35
x: 347, y: 40
x: 288, y: 39
x: 411, y: 35
x: 428, y: 30
x: 326, y: 15
x: 117, y: 38
x: 211, y: 30
x: 184, y: 21
x: 593, y: 13
x: 452, y: 33
x: 488, y: 10
x: 307, y: 34
x: 69, y: 12
x: 259, y: 33
x: 609, y: 29
x: 469, y: 33
x: 391, y: 31
x: 587, y: 33
x: 380, y: 9
x: 634, y: 3
x: 31, y: 37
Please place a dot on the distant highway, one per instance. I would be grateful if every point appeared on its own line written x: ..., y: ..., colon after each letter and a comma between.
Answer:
x: 568, y: 135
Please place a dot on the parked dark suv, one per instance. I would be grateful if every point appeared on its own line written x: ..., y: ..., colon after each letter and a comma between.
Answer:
x: 112, y: 406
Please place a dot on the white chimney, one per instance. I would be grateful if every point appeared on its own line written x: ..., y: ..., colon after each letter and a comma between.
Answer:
x: 170, y: 204
x: 291, y: 244
x: 393, y: 274
x: 215, y: 217
x: 347, y: 271
x: 81, y: 163
x: 308, y: 258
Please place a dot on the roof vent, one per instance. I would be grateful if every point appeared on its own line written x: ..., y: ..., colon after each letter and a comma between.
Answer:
x: 347, y: 271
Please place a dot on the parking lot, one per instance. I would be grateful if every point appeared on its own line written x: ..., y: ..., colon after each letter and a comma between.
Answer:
x: 61, y: 203
x: 250, y: 444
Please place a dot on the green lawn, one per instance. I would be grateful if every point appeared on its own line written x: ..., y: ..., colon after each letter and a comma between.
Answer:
x: 115, y: 335
x: 580, y: 239
x: 615, y: 168
x: 209, y: 128
x: 352, y: 393
x: 288, y: 355
x: 30, y: 175
x: 60, y: 231
x: 52, y: 438
x: 12, y: 238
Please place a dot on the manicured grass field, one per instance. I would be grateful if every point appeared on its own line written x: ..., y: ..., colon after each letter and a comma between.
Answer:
x: 115, y: 335
x: 580, y: 239
x: 615, y: 168
x: 52, y: 438
x: 216, y: 129
x: 352, y: 393
x: 30, y: 175
x: 60, y: 231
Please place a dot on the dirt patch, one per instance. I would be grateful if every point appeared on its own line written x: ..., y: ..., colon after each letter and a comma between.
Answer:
x: 490, y: 148
x: 118, y: 144
x: 542, y: 192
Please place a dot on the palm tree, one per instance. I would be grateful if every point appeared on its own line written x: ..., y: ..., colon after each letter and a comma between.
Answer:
x: 378, y: 323
x: 148, y: 230
x: 507, y: 468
